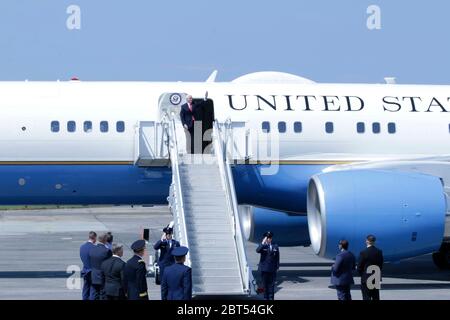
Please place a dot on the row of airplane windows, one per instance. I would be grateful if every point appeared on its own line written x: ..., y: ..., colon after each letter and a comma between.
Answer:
x: 329, y: 127
x: 87, y: 126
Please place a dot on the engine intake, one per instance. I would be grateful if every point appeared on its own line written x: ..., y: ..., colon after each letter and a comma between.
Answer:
x: 404, y: 210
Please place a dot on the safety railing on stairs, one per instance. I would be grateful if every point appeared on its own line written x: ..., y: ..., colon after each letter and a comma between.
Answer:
x: 176, y: 196
x: 220, y: 150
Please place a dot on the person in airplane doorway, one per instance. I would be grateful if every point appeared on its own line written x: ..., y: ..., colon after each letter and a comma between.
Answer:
x: 88, y: 289
x: 166, y: 246
x: 269, y: 264
x: 135, y: 273
x: 370, y: 257
x: 342, y: 271
x: 189, y: 113
x: 177, y: 279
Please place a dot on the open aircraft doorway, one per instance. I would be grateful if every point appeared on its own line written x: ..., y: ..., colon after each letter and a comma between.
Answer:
x: 171, y: 104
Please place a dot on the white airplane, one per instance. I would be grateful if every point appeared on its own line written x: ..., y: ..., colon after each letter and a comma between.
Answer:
x: 351, y: 159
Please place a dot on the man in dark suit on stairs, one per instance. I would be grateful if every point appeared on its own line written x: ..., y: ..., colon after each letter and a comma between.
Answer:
x: 189, y: 114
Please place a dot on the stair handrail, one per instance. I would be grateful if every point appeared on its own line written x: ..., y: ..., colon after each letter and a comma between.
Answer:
x: 178, y: 213
x: 230, y: 192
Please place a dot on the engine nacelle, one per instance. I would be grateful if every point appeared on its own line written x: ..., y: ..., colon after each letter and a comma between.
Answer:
x: 404, y: 210
x: 289, y: 229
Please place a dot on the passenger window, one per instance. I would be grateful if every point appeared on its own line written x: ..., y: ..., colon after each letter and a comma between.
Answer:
x: 54, y: 126
x: 297, y: 127
x: 392, y: 128
x: 376, y: 127
x: 282, y: 127
x: 71, y: 126
x: 87, y: 126
x: 120, y: 126
x: 265, y: 126
x: 329, y: 127
x: 104, y: 126
x: 360, y: 127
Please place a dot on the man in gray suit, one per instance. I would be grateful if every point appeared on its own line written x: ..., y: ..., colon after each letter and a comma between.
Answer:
x: 113, y: 271
x: 342, y: 271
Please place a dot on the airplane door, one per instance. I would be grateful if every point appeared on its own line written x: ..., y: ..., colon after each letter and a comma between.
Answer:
x: 205, y: 114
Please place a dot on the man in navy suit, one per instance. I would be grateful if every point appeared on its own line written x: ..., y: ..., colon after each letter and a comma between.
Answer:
x: 189, y: 113
x: 371, y: 256
x: 88, y: 290
x: 97, y: 255
x: 177, y: 279
x: 341, y: 271
x: 269, y: 263
x: 166, y: 246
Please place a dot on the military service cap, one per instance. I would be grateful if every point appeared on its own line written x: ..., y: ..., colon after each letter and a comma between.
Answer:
x: 138, y: 245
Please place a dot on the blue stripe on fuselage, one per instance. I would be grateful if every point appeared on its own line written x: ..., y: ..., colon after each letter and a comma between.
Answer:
x: 128, y: 184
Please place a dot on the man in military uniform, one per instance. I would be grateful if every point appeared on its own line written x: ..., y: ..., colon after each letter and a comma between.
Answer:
x: 177, y: 279
x: 97, y: 255
x: 166, y: 245
x: 268, y: 264
x: 135, y: 273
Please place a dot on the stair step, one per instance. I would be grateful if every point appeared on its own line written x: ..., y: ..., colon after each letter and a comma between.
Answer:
x: 202, y: 228
x: 209, y: 230
x: 206, y: 211
x: 202, y: 223
x: 212, y: 236
x: 197, y: 280
x: 223, y: 259
x: 208, y: 272
x: 211, y: 253
x: 217, y: 245
x: 223, y: 290
x: 209, y: 264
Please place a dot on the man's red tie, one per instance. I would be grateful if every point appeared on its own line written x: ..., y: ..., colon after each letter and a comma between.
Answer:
x: 190, y: 108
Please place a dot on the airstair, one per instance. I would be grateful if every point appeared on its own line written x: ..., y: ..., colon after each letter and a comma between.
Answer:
x: 203, y: 202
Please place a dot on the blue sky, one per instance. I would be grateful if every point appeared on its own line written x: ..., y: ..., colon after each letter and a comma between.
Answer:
x: 325, y: 40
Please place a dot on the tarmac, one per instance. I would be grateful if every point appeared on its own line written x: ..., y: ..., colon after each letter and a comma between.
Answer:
x: 40, y: 257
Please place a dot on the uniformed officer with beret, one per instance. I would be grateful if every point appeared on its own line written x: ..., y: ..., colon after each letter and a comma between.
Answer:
x: 135, y: 273
x: 177, y: 279
x: 166, y: 245
x: 268, y: 264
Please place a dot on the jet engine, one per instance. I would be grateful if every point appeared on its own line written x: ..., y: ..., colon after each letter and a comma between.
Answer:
x: 289, y: 229
x: 404, y: 210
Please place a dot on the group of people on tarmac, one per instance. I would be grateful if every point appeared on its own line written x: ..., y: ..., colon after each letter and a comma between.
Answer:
x: 107, y: 277
x: 341, y: 270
